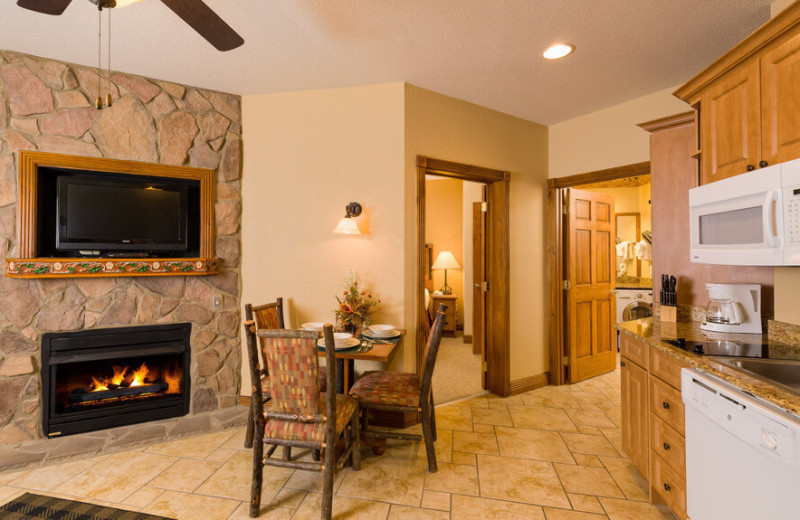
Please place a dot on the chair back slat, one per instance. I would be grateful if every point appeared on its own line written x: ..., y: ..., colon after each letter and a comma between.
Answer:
x: 267, y: 316
x: 431, y: 351
x: 292, y: 361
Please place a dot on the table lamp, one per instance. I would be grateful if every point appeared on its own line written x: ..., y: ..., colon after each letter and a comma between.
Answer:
x: 445, y: 261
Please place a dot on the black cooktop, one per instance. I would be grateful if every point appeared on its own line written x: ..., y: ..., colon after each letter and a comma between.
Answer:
x: 721, y: 347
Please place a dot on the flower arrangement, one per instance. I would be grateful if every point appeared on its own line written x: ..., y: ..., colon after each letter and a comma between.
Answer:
x: 356, y: 307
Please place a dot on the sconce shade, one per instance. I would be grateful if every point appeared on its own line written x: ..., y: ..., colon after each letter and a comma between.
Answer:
x: 347, y: 226
x: 445, y: 260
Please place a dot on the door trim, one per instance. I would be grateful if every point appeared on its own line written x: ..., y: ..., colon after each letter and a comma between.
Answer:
x: 498, y: 300
x: 555, y: 254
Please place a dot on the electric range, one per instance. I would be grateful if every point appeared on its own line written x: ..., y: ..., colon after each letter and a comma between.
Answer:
x: 727, y: 348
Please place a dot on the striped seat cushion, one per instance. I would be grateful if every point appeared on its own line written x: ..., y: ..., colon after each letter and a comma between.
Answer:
x: 387, y: 388
x: 313, y: 432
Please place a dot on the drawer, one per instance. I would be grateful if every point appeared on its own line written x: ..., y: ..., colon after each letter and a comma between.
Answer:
x: 666, y: 403
x: 666, y: 367
x: 633, y: 349
x: 668, y: 484
x: 668, y: 443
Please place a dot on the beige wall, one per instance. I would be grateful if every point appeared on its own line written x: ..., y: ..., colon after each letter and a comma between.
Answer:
x: 609, y: 137
x: 778, y: 6
x: 444, y: 229
x: 447, y: 128
x: 306, y: 155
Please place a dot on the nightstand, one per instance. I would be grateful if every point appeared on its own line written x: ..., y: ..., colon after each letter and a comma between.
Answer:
x: 449, y: 313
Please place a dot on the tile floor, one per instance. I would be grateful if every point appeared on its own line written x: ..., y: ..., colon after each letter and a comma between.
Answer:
x: 549, y: 454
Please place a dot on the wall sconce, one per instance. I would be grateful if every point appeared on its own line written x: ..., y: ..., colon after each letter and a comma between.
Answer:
x: 446, y: 261
x: 348, y: 226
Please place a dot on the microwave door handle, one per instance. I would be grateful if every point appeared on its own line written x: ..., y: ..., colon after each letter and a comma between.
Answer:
x: 769, y: 214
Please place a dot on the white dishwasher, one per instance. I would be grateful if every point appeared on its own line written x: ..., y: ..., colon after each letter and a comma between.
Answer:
x: 742, y: 454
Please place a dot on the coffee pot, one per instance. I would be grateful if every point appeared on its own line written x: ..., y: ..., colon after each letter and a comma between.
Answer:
x: 733, y: 308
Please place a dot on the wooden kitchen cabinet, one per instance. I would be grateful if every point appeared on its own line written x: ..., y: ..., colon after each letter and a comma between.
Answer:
x: 780, y: 101
x: 635, y: 413
x: 748, y: 101
x: 730, y: 124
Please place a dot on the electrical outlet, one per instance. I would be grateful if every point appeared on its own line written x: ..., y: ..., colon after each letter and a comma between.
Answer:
x: 216, y: 302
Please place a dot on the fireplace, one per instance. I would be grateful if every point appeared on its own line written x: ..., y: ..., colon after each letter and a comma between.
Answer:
x: 103, y: 378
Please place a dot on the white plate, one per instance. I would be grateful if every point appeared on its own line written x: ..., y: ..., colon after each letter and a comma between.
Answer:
x: 371, y: 334
x: 313, y: 325
x: 342, y: 345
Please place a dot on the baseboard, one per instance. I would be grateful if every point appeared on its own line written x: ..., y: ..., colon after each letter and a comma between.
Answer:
x: 468, y: 339
x: 244, y: 400
x: 530, y: 383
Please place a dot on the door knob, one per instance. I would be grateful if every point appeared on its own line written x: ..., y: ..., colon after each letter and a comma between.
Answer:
x: 763, y: 164
x: 750, y: 167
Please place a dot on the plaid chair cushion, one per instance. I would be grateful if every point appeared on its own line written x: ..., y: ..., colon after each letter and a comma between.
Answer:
x: 387, y: 388
x: 314, y: 432
x: 294, y: 375
x: 323, y: 382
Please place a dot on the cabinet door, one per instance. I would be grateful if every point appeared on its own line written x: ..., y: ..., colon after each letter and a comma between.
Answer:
x: 730, y: 124
x: 780, y: 102
x: 634, y: 414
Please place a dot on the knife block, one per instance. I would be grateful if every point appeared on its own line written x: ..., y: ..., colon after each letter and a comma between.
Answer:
x: 669, y: 314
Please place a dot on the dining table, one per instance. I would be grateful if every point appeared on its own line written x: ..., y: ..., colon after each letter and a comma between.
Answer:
x: 370, y: 349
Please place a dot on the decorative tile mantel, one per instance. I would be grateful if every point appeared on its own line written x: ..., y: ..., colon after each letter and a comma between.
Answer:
x: 83, y: 267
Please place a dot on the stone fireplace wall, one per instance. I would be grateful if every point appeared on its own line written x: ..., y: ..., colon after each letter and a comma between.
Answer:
x: 45, y: 105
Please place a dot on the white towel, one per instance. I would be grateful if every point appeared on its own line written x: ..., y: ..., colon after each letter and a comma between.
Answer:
x: 644, y: 251
x: 621, y: 249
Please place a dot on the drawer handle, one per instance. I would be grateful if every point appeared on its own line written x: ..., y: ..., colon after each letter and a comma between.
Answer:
x: 667, y: 487
x: 665, y: 405
x: 666, y: 446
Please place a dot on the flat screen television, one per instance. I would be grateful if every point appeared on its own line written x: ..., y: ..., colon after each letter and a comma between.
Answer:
x: 116, y: 214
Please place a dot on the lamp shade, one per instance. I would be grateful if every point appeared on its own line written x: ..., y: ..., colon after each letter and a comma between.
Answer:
x: 445, y: 260
x: 347, y: 226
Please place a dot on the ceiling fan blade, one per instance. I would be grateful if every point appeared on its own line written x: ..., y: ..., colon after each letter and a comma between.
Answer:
x: 54, y: 7
x: 206, y: 22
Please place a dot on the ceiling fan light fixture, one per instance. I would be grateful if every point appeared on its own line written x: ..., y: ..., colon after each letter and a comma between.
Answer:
x: 558, y: 50
x: 126, y: 3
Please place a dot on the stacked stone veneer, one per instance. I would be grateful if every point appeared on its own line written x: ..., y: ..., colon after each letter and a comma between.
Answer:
x: 45, y: 105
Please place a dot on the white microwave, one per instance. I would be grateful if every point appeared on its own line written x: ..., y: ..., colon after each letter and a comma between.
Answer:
x: 749, y: 219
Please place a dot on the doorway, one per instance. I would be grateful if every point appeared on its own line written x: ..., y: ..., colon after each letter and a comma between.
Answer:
x: 599, y: 242
x: 490, y: 299
x: 455, y: 231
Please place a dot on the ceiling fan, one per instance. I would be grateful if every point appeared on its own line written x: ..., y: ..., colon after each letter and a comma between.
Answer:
x: 196, y: 13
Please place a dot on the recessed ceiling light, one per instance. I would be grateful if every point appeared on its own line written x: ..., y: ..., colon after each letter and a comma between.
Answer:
x: 559, y: 50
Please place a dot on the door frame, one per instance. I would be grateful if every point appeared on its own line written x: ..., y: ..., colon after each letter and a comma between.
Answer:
x: 498, y: 300
x: 555, y: 255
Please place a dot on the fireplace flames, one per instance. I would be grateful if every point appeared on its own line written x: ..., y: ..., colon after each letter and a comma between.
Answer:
x: 124, y: 378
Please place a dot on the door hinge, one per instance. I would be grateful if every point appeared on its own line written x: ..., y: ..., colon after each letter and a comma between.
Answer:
x: 484, y: 206
x: 565, y: 284
x: 565, y: 360
x: 485, y: 286
x: 485, y: 366
x: 565, y: 209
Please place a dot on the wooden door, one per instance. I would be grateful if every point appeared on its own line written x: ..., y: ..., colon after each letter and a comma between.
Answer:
x: 634, y: 414
x: 589, y: 267
x: 730, y: 124
x: 479, y: 284
x: 780, y: 102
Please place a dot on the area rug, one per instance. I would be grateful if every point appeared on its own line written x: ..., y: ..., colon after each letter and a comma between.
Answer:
x: 39, y: 507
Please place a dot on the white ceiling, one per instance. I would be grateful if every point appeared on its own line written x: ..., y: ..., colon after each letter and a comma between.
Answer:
x: 484, y: 51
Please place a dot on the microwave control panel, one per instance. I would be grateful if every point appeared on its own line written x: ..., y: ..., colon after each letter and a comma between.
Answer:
x: 791, y: 220
x: 790, y: 181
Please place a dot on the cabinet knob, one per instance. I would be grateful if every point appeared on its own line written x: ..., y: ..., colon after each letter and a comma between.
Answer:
x: 666, y: 446
x: 667, y: 487
x: 665, y: 405
x: 750, y: 167
x: 622, y: 363
x: 763, y: 164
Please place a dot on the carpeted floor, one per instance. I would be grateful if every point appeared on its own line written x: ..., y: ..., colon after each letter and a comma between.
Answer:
x: 458, y: 371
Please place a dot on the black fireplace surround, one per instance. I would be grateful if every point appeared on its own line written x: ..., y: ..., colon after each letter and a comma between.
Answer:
x: 103, y: 378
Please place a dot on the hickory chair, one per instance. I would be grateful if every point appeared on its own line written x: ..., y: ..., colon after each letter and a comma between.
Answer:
x: 297, y: 416
x: 402, y: 392
x: 267, y: 316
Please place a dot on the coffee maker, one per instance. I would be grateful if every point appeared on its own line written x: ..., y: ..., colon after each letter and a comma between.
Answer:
x: 733, y: 308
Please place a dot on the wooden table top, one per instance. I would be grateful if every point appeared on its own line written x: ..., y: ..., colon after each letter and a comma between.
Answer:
x: 378, y: 352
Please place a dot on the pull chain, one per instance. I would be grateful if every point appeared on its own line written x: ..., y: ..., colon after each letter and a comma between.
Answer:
x: 108, y: 94
x: 98, y: 102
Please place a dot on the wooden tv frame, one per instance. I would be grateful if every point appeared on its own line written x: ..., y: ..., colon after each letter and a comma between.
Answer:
x: 29, y: 265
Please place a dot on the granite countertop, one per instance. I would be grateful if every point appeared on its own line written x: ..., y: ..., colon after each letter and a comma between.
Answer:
x: 654, y: 332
